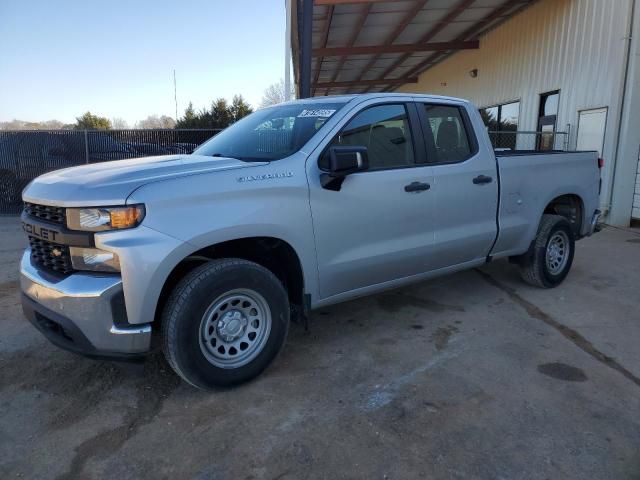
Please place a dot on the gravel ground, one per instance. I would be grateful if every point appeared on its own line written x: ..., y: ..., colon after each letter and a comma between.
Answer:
x: 474, y: 375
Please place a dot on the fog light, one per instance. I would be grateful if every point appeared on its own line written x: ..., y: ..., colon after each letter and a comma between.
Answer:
x: 94, y: 259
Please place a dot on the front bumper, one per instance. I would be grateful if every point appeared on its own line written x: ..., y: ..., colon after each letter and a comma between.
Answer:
x: 82, y: 312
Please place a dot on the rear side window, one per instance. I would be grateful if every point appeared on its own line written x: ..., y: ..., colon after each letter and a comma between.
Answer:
x: 384, y: 130
x: 450, y: 135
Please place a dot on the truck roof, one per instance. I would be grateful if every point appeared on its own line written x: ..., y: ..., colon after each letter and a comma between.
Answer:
x: 366, y: 96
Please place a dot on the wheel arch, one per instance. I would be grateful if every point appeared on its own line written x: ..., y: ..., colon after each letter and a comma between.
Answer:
x: 570, y: 206
x: 275, y: 254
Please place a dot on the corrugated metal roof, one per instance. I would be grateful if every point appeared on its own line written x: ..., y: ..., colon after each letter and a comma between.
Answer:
x: 411, y: 25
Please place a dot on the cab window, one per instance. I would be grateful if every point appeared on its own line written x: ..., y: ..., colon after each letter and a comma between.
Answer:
x: 449, y: 131
x: 384, y: 130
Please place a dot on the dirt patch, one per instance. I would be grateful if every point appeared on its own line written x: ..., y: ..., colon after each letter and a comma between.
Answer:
x: 395, y: 301
x: 570, y: 334
x: 9, y: 288
x: 157, y: 384
x: 441, y: 336
x: 562, y: 371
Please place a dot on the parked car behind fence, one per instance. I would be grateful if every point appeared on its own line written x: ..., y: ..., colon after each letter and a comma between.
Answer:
x: 25, y: 155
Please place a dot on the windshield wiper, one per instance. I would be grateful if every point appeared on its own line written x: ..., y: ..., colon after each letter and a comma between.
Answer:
x: 225, y: 156
x: 242, y: 159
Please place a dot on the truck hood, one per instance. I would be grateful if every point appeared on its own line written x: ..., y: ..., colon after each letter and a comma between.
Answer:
x: 110, y: 183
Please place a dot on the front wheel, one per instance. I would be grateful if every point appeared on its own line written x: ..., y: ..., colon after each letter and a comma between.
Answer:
x: 548, y: 262
x: 224, y: 323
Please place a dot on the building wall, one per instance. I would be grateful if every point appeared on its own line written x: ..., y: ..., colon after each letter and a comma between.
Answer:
x: 576, y: 46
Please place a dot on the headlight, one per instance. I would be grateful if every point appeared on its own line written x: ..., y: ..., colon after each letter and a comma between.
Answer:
x: 94, y: 259
x: 98, y: 219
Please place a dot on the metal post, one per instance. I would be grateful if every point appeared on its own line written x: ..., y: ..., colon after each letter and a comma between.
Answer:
x: 305, y: 48
x: 287, y: 52
x: 86, y: 147
x: 175, y: 92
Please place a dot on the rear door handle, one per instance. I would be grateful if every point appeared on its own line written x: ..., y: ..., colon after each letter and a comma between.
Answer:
x: 416, y: 187
x: 480, y: 179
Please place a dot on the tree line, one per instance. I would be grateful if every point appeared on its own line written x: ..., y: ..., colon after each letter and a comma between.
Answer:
x: 220, y: 114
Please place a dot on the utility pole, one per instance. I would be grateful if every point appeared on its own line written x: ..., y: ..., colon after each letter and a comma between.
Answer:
x: 175, y: 93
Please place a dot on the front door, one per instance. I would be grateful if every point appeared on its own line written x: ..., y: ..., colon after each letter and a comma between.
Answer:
x: 376, y: 228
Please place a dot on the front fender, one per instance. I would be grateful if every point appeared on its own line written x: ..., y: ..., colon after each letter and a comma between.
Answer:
x: 208, y: 209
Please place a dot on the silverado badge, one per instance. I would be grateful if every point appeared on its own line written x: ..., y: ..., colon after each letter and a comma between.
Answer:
x: 265, y: 176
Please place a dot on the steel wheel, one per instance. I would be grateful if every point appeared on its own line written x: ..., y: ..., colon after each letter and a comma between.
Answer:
x: 235, y: 328
x: 557, y: 252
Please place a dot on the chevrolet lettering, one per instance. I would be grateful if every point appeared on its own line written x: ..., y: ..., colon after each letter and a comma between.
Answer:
x: 40, y: 231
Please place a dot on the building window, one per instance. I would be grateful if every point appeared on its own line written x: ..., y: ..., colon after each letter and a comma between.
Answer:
x: 547, y: 118
x: 502, y: 124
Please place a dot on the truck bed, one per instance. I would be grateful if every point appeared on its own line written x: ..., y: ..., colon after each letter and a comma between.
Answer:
x: 530, y: 183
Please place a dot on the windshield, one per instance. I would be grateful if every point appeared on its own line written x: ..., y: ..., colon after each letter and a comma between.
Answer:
x: 271, y: 133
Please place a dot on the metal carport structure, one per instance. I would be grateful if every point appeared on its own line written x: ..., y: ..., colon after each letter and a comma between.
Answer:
x: 357, y: 46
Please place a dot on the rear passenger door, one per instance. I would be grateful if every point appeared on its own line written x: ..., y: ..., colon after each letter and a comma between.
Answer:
x: 465, y: 185
x: 377, y: 228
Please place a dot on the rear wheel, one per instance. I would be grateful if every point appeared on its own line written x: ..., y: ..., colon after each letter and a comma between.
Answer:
x: 549, y: 260
x: 224, y: 323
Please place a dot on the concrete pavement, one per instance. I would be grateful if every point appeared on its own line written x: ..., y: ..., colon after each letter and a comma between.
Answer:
x: 474, y: 375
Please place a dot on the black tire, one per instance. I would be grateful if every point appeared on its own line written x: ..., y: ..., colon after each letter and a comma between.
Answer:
x: 534, y: 268
x: 186, y: 319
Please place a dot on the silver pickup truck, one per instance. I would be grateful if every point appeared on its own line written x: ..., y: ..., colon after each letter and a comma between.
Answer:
x: 295, y: 207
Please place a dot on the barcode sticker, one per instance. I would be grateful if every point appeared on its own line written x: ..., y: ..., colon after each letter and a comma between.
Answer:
x: 324, y: 113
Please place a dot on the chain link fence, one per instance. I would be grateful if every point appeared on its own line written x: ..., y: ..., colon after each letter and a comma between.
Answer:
x: 25, y: 155
x: 522, y: 140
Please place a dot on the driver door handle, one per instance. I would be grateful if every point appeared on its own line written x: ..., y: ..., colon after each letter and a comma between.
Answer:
x: 416, y: 187
x: 480, y: 179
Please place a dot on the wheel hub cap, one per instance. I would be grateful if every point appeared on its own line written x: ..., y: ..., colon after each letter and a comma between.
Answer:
x: 232, y: 325
x: 557, y: 253
x: 235, y: 328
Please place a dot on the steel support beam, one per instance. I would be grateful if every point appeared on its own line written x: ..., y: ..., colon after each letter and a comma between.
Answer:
x: 366, y: 83
x: 344, y: 2
x: 305, y: 47
x: 402, y: 48
x: 364, y: 12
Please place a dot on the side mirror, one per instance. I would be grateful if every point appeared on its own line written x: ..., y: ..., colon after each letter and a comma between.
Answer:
x: 346, y: 160
x: 343, y: 161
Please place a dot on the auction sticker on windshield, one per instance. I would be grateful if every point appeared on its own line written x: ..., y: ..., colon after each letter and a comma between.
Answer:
x: 324, y: 113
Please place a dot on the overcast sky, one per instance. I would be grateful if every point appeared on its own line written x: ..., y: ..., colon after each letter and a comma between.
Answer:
x: 61, y: 58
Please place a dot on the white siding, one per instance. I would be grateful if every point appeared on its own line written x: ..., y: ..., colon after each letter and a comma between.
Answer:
x: 576, y: 46
x: 636, y: 197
